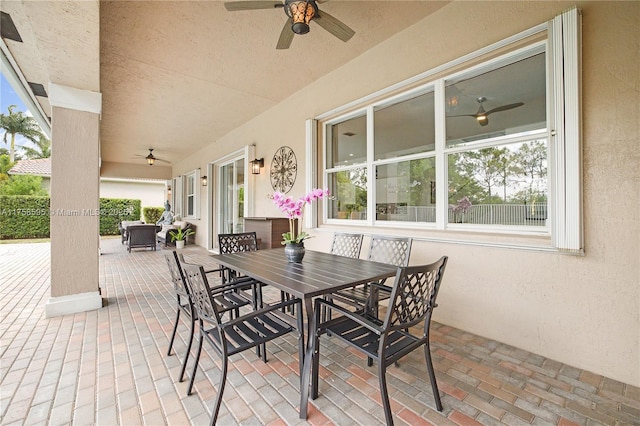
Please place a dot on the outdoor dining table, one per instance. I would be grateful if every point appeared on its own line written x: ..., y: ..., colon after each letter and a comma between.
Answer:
x: 318, y: 274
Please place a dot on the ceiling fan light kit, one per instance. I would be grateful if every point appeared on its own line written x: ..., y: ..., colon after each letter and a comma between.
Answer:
x: 482, y: 116
x: 301, y: 13
x: 150, y: 158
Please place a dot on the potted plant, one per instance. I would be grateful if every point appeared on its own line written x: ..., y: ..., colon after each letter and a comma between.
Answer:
x: 294, y: 209
x: 179, y: 236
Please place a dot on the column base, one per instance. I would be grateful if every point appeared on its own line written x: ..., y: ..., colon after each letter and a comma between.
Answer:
x: 74, y: 303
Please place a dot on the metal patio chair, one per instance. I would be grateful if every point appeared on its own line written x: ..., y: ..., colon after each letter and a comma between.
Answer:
x: 391, y: 250
x: 236, y: 243
x: 412, y: 300
x: 348, y: 245
x: 227, y: 301
x: 239, y: 334
x: 239, y: 243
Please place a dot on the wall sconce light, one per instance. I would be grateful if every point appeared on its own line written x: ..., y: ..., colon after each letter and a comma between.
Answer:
x: 256, y: 165
x: 203, y: 180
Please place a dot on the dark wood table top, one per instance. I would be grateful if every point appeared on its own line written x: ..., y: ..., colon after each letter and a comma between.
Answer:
x: 318, y: 274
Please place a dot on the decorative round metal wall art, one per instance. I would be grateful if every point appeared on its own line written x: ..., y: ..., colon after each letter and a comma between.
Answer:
x: 284, y: 169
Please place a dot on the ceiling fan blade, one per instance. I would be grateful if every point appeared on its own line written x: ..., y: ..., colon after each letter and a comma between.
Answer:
x: 462, y: 115
x: 504, y: 107
x: 251, y: 5
x: 286, y: 36
x: 162, y: 161
x: 334, y: 26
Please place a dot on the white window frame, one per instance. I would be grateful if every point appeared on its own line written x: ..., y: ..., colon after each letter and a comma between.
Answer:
x: 563, y: 133
x: 176, y: 196
x: 195, y: 175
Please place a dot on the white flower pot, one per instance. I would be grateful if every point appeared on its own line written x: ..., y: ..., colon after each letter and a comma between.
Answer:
x: 180, y: 244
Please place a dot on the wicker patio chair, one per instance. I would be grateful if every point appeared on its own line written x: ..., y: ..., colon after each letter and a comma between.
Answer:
x: 141, y: 236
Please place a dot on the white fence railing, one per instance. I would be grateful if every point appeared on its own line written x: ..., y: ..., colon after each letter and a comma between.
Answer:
x: 484, y: 214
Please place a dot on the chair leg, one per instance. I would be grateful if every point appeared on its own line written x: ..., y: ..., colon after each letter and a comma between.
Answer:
x: 432, y: 376
x: 195, y: 365
x: 384, y: 394
x: 191, y: 333
x: 223, y: 380
x: 175, y: 328
x: 261, y: 350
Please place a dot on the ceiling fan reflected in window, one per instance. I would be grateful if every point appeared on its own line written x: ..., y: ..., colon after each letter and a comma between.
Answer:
x: 151, y: 159
x: 482, y: 116
x: 300, y: 14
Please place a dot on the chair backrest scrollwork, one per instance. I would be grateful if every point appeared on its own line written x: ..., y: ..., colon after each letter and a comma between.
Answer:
x: 392, y: 250
x: 414, y: 294
x: 347, y: 245
x: 200, y: 292
x: 177, y: 276
x: 235, y: 243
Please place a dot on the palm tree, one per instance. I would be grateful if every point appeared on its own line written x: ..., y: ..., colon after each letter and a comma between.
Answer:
x: 41, y: 150
x: 16, y: 123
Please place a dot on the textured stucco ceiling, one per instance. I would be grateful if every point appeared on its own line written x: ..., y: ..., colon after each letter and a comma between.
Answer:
x: 178, y: 75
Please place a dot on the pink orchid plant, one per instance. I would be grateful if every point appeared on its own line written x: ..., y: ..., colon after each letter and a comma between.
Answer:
x: 294, y: 209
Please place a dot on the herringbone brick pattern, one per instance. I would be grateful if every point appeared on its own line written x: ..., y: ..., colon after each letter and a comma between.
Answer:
x: 109, y: 366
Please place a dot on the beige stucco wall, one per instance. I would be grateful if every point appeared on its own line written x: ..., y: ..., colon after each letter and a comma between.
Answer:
x: 109, y: 169
x: 150, y: 194
x: 583, y: 311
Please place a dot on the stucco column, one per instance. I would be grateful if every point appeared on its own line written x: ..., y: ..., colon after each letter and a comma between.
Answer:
x: 75, y: 198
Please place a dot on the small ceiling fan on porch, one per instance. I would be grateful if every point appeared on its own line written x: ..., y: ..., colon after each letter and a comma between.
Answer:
x: 300, y: 14
x: 482, y: 116
x: 151, y: 159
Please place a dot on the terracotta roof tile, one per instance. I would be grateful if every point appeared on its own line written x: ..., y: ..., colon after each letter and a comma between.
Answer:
x: 39, y: 167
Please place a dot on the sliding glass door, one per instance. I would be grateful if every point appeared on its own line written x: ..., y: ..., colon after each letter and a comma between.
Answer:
x: 231, y: 190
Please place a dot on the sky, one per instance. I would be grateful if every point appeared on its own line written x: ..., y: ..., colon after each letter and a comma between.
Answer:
x: 8, y: 96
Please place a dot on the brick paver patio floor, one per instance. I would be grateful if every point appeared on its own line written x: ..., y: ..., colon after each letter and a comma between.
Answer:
x: 109, y: 366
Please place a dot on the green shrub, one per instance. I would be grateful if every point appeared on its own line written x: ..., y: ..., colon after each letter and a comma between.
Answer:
x: 22, y: 185
x: 27, y: 216
x: 24, y: 216
x: 115, y: 210
x: 152, y: 214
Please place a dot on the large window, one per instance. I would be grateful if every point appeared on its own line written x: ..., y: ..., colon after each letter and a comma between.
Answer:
x: 191, y: 195
x: 493, y: 146
x: 496, y: 143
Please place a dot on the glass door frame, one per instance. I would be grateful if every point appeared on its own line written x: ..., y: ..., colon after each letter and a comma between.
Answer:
x: 214, y: 195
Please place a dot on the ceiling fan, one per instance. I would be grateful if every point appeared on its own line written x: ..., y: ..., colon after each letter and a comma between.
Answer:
x: 151, y: 159
x: 300, y: 14
x: 483, y: 116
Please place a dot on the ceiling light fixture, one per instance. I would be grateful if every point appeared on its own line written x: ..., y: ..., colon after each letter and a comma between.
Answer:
x: 301, y: 13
